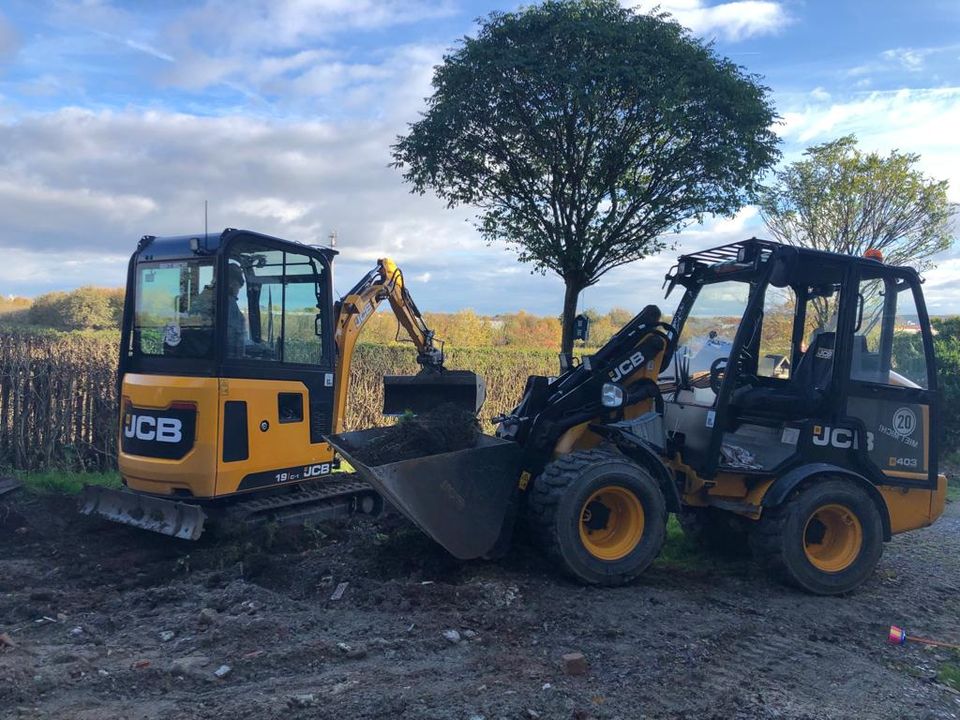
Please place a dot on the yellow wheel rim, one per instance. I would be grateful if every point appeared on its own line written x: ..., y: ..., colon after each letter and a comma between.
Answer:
x: 832, y: 538
x: 611, y: 523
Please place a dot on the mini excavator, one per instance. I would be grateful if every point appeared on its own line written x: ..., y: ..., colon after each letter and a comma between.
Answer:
x: 234, y: 366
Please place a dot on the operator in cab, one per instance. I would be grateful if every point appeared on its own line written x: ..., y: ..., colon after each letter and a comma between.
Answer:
x: 236, y: 325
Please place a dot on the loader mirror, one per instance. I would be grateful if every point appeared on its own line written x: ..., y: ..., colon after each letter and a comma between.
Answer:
x: 318, y: 325
x: 581, y: 328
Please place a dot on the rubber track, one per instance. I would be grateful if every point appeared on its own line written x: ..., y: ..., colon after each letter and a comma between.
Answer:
x: 320, y: 491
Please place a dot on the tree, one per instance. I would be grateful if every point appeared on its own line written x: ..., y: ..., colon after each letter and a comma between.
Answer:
x: 81, y: 309
x: 583, y: 131
x: 845, y: 201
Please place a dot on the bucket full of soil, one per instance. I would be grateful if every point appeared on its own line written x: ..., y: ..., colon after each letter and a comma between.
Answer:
x: 454, y: 483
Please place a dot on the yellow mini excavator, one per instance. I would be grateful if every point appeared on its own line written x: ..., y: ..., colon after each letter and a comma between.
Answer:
x: 234, y: 366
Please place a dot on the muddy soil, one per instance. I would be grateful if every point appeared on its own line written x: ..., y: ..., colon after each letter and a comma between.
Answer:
x: 110, y: 622
x: 443, y: 429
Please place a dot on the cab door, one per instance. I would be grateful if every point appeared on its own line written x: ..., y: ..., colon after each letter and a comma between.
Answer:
x: 892, y: 380
x: 276, y: 374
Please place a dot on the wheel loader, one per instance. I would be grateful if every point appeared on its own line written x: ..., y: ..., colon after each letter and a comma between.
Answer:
x: 234, y: 366
x: 790, y: 403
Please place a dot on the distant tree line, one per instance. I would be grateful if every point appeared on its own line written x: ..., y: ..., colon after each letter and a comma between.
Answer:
x: 86, y: 308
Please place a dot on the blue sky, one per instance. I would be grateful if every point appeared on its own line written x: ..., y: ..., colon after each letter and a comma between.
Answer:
x: 119, y: 119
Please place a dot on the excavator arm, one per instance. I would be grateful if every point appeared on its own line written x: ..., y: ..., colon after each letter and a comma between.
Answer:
x: 433, y: 385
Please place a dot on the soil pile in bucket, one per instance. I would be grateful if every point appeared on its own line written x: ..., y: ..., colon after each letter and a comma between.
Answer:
x: 445, y: 428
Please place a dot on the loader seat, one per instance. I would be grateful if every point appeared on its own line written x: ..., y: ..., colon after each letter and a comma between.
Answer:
x: 802, y: 395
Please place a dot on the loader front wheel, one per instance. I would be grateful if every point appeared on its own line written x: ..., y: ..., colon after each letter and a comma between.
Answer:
x: 600, y: 516
x: 826, y: 539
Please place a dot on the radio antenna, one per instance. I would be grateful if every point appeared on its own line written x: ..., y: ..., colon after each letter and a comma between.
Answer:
x: 206, y: 235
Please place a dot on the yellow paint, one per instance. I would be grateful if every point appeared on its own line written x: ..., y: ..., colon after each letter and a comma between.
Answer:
x: 202, y: 471
x: 912, y: 508
x: 197, y: 471
x: 832, y: 538
x: 623, y: 528
x: 283, y: 445
x: 524, y: 480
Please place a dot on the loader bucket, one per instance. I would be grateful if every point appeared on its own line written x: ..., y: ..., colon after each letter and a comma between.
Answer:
x: 424, y: 391
x: 461, y: 499
x: 167, y: 517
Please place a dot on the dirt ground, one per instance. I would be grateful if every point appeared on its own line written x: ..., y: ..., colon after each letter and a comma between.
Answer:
x: 109, y: 622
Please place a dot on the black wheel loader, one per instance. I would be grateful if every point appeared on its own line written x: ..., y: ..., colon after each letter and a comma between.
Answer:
x: 790, y: 403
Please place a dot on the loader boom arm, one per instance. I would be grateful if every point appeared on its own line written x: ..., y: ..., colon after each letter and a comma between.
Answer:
x: 384, y: 282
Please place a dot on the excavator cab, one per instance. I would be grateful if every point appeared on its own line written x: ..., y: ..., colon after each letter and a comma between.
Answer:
x: 226, y: 365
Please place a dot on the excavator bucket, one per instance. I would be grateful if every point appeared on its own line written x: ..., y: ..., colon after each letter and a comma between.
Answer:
x: 426, y: 390
x: 462, y: 499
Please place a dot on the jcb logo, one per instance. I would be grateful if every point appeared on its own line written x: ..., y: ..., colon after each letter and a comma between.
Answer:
x: 627, y: 366
x: 316, y: 470
x: 841, y: 438
x: 161, y: 429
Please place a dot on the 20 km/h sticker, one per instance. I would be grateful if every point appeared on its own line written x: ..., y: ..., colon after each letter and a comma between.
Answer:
x: 904, y: 421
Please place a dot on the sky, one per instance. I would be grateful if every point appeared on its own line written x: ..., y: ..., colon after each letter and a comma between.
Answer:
x: 119, y: 119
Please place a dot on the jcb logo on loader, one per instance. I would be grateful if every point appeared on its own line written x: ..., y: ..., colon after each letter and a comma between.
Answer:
x: 161, y: 429
x: 842, y: 438
x: 627, y: 366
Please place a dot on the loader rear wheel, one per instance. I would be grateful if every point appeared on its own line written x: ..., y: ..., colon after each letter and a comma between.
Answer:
x: 599, y: 516
x: 826, y: 539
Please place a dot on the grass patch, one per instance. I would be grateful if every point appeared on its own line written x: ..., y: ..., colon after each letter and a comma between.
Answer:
x: 67, y: 482
x: 949, y: 675
x: 679, y: 551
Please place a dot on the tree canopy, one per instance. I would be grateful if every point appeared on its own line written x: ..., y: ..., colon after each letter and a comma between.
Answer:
x: 583, y: 132
x: 841, y: 199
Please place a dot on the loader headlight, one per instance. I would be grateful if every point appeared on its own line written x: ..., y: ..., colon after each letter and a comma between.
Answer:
x: 611, y: 395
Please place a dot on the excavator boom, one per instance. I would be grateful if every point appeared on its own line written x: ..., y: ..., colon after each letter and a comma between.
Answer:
x: 433, y: 385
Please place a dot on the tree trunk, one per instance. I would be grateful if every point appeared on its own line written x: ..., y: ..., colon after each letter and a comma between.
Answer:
x: 570, y: 296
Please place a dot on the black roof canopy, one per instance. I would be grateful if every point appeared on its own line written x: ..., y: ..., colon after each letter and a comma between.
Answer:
x: 742, y: 261
x: 179, y: 247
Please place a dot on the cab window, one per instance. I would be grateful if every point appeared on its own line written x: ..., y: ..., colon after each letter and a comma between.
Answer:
x: 273, y: 305
x: 173, y: 316
x: 776, y: 333
x: 709, y: 331
x: 888, y: 340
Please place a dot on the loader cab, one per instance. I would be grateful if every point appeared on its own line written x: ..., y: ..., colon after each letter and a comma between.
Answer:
x: 789, y: 356
x: 226, y: 355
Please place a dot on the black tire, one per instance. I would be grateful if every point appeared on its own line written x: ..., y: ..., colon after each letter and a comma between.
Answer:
x: 788, y: 537
x: 714, y: 530
x: 558, y: 505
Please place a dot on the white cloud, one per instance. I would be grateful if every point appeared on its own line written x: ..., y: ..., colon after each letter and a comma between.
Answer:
x: 82, y: 181
x: 731, y: 20
x: 918, y: 121
x: 910, y: 58
x: 149, y: 50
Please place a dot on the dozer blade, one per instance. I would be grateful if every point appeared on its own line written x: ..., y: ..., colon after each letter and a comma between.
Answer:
x: 461, y: 499
x: 168, y: 517
x: 426, y: 390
